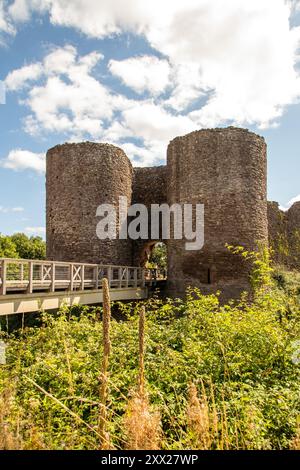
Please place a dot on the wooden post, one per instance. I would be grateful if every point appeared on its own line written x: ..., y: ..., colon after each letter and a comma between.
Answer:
x: 120, y: 277
x: 109, y: 276
x: 96, y: 277
x: 127, y: 277
x: 143, y: 277
x: 3, y: 277
x: 72, y: 277
x: 82, y: 277
x: 30, y: 277
x: 135, y: 277
x: 22, y: 272
x: 53, y: 278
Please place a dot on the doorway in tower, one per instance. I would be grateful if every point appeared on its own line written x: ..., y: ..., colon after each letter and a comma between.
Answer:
x: 154, y: 259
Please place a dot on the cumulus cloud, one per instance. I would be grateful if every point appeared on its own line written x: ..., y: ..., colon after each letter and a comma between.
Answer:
x: 24, y: 160
x: 6, y: 210
x: 243, y: 60
x: 35, y: 231
x: 65, y: 98
x: 219, y: 62
x: 5, y: 23
x: 290, y: 203
x: 17, y: 79
x: 68, y: 98
x: 154, y: 123
x: 146, y: 73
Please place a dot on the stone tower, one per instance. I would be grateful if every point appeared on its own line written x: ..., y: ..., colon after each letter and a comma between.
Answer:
x: 80, y: 177
x: 224, y: 169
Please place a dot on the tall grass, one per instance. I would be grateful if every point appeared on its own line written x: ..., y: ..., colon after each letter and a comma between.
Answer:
x: 179, y: 375
x: 141, y: 424
x: 104, y: 435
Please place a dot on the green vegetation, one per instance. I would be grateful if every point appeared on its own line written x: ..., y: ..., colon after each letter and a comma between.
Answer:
x: 216, y: 377
x: 158, y: 257
x: 21, y: 246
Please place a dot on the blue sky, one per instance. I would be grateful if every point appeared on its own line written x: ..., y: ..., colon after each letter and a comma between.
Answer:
x: 137, y: 75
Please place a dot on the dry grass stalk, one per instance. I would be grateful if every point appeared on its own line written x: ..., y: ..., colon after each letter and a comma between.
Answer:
x: 295, y: 445
x: 198, y: 418
x: 142, y: 425
x: 9, y: 439
x: 104, y: 435
x: 142, y: 352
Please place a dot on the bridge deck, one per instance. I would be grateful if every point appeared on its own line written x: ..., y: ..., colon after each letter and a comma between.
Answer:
x: 31, y: 285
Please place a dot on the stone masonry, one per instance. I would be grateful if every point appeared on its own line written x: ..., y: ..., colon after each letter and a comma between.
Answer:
x: 80, y: 177
x: 224, y: 169
x: 284, y: 234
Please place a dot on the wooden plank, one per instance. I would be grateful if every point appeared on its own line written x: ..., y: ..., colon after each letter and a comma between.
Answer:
x: 20, y: 303
x: 3, y: 277
x: 30, y: 277
x: 96, y: 277
x: 53, y: 277
x: 135, y: 277
x: 82, y: 277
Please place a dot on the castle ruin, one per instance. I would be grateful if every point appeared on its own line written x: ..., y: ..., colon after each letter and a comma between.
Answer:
x: 224, y: 169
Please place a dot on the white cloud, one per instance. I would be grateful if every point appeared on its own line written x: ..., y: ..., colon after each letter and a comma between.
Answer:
x: 145, y: 73
x: 290, y: 203
x: 150, y: 154
x: 5, y: 24
x: 69, y: 99
x: 24, y: 160
x: 35, y: 230
x: 6, y: 210
x: 296, y: 4
x: 17, y: 79
x: 244, y: 57
x: 221, y: 61
x: 151, y: 122
x: 21, y: 10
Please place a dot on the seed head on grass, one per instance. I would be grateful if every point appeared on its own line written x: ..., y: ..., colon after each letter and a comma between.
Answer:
x: 142, y: 425
x: 295, y: 445
x: 142, y: 352
x: 104, y: 435
x: 198, y: 419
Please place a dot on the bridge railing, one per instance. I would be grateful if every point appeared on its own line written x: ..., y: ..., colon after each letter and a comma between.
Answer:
x: 38, y: 275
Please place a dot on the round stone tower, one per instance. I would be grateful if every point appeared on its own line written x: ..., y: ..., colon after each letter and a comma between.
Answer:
x: 224, y: 169
x: 80, y: 177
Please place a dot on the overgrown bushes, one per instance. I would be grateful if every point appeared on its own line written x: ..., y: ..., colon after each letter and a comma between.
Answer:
x: 219, y: 377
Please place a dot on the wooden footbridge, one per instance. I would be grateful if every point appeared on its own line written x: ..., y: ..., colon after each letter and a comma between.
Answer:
x: 33, y: 285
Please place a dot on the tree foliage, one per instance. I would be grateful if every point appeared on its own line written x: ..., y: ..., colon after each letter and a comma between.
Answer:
x: 159, y: 256
x: 20, y: 245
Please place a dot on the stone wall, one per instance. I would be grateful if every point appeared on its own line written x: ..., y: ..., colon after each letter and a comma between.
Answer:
x: 293, y: 235
x: 224, y: 169
x: 80, y: 177
x: 149, y: 187
x: 278, y: 240
x: 284, y: 234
